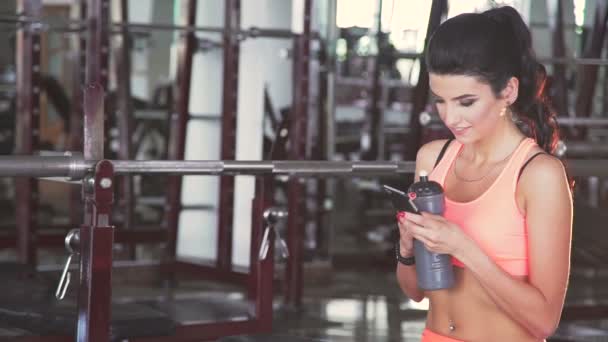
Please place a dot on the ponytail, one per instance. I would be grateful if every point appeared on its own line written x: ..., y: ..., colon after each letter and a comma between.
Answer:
x: 532, y: 105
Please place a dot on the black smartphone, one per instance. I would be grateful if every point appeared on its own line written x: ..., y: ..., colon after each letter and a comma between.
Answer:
x: 400, y: 199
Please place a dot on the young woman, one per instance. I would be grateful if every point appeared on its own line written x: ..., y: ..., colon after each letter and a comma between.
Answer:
x: 508, y: 217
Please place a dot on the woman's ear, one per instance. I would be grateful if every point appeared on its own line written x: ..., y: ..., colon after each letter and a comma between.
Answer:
x: 510, y: 92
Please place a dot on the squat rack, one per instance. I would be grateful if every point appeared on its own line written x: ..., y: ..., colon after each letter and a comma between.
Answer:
x: 96, y: 246
x: 94, y: 55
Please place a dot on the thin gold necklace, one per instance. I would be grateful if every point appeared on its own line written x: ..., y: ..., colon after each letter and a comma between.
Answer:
x: 487, y: 173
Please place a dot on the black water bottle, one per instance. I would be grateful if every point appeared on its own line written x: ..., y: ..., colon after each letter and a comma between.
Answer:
x: 434, y: 270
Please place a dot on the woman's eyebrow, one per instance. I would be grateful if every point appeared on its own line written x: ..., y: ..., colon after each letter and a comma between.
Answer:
x: 463, y: 96
x: 459, y: 97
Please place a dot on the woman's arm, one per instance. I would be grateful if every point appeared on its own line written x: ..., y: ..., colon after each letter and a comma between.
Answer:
x: 408, y: 282
x: 536, y: 304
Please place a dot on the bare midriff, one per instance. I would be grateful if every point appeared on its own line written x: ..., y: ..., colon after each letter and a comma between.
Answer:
x: 466, y: 312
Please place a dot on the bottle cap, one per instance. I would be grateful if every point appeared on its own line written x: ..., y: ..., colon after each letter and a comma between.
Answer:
x: 424, y: 176
x: 424, y: 187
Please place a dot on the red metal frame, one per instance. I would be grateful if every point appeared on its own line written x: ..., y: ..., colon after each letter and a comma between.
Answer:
x: 97, y: 235
x: 124, y: 120
x: 259, y: 281
x: 96, y: 242
x: 98, y: 43
x: 28, y: 132
x: 179, y: 120
x: 296, y: 190
x: 232, y: 25
x: 261, y: 271
x: 96, y: 78
x: 93, y: 121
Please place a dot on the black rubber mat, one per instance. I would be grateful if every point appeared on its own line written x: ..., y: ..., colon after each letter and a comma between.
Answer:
x: 28, y: 305
x: 52, y: 317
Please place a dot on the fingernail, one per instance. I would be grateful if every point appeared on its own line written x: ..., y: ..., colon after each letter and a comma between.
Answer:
x: 400, y: 215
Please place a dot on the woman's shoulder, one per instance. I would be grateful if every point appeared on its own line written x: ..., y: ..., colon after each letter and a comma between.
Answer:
x: 538, y: 162
x: 545, y: 190
x: 542, y: 172
x: 428, y: 153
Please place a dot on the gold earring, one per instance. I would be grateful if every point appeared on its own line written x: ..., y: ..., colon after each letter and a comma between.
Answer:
x: 503, y: 112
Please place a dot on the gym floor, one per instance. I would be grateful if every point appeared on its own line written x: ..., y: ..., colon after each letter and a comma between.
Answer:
x: 371, y: 308
x: 342, y: 306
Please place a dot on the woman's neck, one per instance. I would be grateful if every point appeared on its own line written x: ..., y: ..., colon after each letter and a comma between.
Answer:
x: 494, y: 148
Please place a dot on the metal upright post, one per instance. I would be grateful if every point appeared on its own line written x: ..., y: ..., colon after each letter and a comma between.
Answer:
x: 556, y: 23
x: 330, y: 67
x: 421, y: 91
x: 261, y: 271
x: 96, y: 233
x: 326, y: 145
x: 82, y: 40
x: 75, y: 143
x: 125, y: 116
x: 296, y: 190
x: 96, y: 240
x: 28, y: 132
x: 179, y: 120
x: 232, y: 25
x: 96, y: 78
x: 587, y: 74
x: 374, y: 113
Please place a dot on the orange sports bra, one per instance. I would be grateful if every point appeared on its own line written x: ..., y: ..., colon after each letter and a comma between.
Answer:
x: 493, y: 219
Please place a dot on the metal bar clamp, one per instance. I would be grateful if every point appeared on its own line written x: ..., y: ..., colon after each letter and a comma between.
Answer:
x: 272, y: 216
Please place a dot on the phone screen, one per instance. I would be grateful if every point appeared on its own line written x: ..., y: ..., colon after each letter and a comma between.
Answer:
x: 399, y: 199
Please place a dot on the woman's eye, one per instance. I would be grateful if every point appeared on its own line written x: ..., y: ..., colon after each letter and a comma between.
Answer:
x: 467, y: 103
x: 437, y: 101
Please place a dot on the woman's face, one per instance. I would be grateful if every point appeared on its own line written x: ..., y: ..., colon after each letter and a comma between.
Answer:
x: 467, y: 106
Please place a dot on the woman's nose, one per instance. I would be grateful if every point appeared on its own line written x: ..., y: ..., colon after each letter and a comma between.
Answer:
x: 450, y: 117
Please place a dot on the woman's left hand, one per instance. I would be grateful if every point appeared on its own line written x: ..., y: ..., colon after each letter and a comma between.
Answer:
x: 438, y: 234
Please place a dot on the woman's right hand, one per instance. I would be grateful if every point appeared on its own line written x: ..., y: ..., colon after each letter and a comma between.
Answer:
x: 406, y: 240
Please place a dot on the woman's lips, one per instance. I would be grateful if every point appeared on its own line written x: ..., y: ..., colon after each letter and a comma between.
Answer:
x: 460, y: 130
